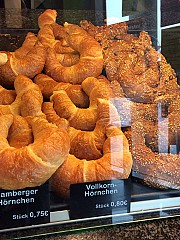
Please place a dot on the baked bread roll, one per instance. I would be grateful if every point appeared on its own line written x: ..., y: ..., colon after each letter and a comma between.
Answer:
x: 161, y: 123
x: 74, y: 92
x: 28, y: 61
x: 31, y: 165
x: 82, y: 118
x: 142, y: 72
x: 160, y: 170
x: 105, y: 32
x: 89, y: 64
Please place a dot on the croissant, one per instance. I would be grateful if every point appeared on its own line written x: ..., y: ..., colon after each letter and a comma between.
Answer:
x: 89, y: 64
x: 89, y: 144
x: 64, y: 54
x: 116, y: 162
x: 27, y: 61
x: 52, y: 117
x: 33, y: 164
x: 27, y: 45
x: 82, y: 118
x: 53, y: 35
x: 47, y: 38
x: 75, y: 92
x: 47, y: 17
x: 6, y: 96
x: 28, y: 101
x: 79, y: 139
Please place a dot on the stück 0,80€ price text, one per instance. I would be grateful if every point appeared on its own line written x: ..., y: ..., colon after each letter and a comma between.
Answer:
x: 32, y: 214
x: 111, y: 204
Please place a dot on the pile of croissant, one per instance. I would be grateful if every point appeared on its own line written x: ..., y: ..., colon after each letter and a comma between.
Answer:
x: 80, y: 103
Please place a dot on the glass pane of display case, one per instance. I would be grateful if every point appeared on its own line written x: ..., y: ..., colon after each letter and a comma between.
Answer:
x: 89, y: 114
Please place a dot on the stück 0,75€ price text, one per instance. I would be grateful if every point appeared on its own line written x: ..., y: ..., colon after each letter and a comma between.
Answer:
x: 32, y: 214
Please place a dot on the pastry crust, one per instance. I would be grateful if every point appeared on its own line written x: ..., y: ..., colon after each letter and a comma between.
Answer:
x: 105, y: 155
x: 90, y: 61
x: 28, y: 61
x: 116, y: 162
x: 52, y: 117
x: 53, y: 35
x: 28, y: 101
x: 74, y: 92
x: 33, y: 164
x: 6, y: 96
x: 82, y: 118
x: 47, y: 17
x: 89, y: 144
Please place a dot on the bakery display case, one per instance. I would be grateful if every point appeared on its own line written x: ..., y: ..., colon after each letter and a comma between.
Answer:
x: 89, y: 115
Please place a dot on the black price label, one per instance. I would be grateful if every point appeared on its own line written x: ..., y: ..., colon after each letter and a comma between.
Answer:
x: 99, y: 198
x: 24, y: 207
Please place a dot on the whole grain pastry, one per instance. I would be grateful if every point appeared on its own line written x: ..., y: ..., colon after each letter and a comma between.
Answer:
x: 28, y: 61
x: 75, y: 92
x: 155, y: 145
x: 33, y: 164
x: 82, y: 118
x: 90, y: 62
x: 142, y: 72
x: 105, y: 32
x: 161, y: 124
x: 160, y: 170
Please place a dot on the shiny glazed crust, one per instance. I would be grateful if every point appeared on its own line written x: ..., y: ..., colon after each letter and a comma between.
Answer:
x: 28, y: 61
x: 74, y: 92
x: 28, y: 101
x: 6, y: 96
x: 82, y: 118
x: 106, y: 150
x: 90, y: 62
x: 31, y: 165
